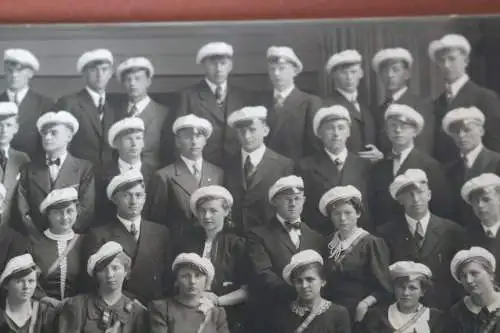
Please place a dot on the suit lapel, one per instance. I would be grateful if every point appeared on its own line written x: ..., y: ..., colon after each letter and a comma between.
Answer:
x: 326, y: 170
x: 41, y: 175
x: 350, y: 171
x: 148, y: 114
x: 68, y: 174
x: 284, y: 115
x: 354, y: 113
x: 411, y: 160
x: 207, y: 173
x: 432, y: 237
x: 282, y: 236
x: 125, y: 238
x: 209, y: 103
x: 4, y: 97
x: 460, y: 97
x: 11, y: 170
x: 260, y: 170
x: 90, y: 111
x: 184, y: 178
x: 480, y: 163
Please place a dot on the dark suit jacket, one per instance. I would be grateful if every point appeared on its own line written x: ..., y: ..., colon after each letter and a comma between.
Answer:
x: 363, y: 127
x: 477, y: 237
x: 470, y: 94
x: 151, y: 256
x: 199, y: 100
x: 487, y: 161
x: 442, y: 240
x: 91, y: 141
x: 251, y: 207
x: 35, y: 185
x: 169, y: 192
x: 320, y: 175
x: 10, y: 177
x: 385, y: 208
x: 32, y: 106
x: 425, y: 140
x: 12, y: 244
x: 291, y: 126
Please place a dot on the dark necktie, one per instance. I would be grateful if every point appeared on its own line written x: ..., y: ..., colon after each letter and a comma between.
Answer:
x: 448, y: 93
x: 484, y: 314
x: 133, y: 230
x: 16, y: 99
x: 388, y: 101
x: 278, y: 101
x: 3, y: 160
x: 419, y: 234
x: 248, y: 169
x: 338, y: 163
x: 133, y: 110
x: 394, y: 156
x: 490, y: 234
x: 219, y: 97
x: 292, y: 226
x: 101, y: 104
x: 56, y: 162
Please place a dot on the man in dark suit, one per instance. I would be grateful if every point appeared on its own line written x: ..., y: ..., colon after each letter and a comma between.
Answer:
x: 148, y: 244
x: 249, y: 174
x: 271, y: 246
x: 57, y: 169
x: 291, y: 111
x: 483, y: 194
x: 423, y: 237
x: 214, y: 99
x: 11, y: 160
x: 451, y: 54
x: 393, y: 67
x: 465, y: 126
x: 345, y: 69
x: 91, y: 107
x: 20, y: 66
x: 136, y: 75
x: 171, y: 187
x: 333, y: 166
x: 403, y: 124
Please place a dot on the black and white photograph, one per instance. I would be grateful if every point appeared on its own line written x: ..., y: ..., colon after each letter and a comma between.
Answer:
x: 286, y: 176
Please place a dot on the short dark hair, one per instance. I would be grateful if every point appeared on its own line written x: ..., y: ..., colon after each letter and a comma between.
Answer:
x: 122, y: 256
x: 354, y: 202
x: 425, y: 282
x: 314, y: 265
x: 22, y: 273
x: 129, y: 185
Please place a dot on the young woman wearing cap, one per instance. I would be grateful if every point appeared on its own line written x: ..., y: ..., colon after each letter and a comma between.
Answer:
x: 107, y: 309
x: 479, y: 311
x: 189, y: 310
x: 410, y: 281
x: 310, y: 313
x: 226, y: 251
x: 357, y: 263
x: 20, y: 313
x: 57, y: 251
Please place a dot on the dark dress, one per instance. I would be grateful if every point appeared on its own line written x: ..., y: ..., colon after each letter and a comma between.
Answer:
x: 333, y: 319
x: 231, y: 263
x: 169, y: 315
x: 376, y: 320
x: 90, y: 314
x: 363, y: 271
x: 43, y: 324
x: 461, y: 319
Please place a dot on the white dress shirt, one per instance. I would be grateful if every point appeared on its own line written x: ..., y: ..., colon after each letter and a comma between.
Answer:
x: 255, y: 157
x: 214, y: 86
x: 20, y: 95
x: 492, y: 229
x: 125, y: 166
x: 192, y: 164
x: 96, y: 97
x: 55, y: 169
x: 6, y: 151
x: 472, y: 155
x: 285, y: 93
x: 342, y: 156
x: 457, y: 85
x: 294, y: 234
x: 140, y: 106
x: 397, y: 95
x: 128, y: 225
x: 412, y: 223
x: 351, y: 97
x: 397, y: 163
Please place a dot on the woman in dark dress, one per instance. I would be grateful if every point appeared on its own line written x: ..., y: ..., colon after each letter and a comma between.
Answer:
x: 189, y: 310
x: 20, y: 313
x: 214, y: 241
x: 357, y: 264
x: 309, y: 313
x: 57, y: 251
x: 107, y: 310
x: 479, y: 311
x: 407, y: 315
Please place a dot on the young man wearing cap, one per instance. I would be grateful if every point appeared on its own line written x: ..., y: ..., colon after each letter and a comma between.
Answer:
x: 136, y: 74
x: 214, y: 99
x: 148, y: 244
x: 20, y: 66
x: 249, y: 173
x: 451, y: 55
x: 57, y: 168
x: 393, y: 67
x: 271, y: 246
x: 290, y: 110
x: 465, y: 126
x: 483, y: 194
x: 403, y: 124
x: 171, y: 187
x: 423, y: 237
x: 333, y: 166
x: 345, y: 69
x: 92, y: 108
x: 11, y: 160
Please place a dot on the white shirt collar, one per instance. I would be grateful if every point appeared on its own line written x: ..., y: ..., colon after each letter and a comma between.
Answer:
x: 351, y: 96
x: 125, y: 166
x: 473, y: 154
x: 255, y: 157
x: 282, y: 220
x: 141, y: 105
x: 412, y: 223
x: 398, y: 319
x: 285, y: 93
x: 290, y: 231
x: 20, y: 94
x: 66, y: 237
x: 458, y: 84
x: 405, y: 152
x: 474, y: 308
x: 95, y: 96
x: 397, y: 95
x: 127, y: 223
x: 6, y: 151
x: 213, y: 86
x: 190, y: 163
x: 342, y: 156
x: 494, y: 228
x: 62, y: 158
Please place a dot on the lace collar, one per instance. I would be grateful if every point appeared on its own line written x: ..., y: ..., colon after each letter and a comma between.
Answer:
x: 64, y: 237
x: 301, y: 310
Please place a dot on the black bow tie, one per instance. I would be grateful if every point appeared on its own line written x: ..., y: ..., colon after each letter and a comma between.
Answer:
x: 292, y: 226
x: 56, y: 162
x: 394, y: 156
